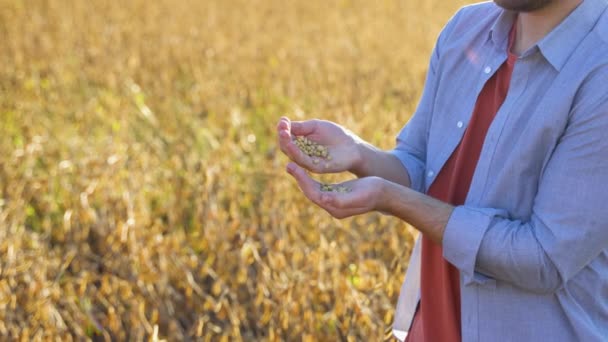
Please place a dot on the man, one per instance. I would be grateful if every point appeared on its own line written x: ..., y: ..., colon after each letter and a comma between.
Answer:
x: 504, y: 170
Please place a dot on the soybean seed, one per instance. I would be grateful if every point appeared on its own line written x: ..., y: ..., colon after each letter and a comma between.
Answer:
x: 335, y: 188
x: 311, y: 148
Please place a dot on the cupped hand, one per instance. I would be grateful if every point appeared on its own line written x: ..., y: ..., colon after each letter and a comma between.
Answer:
x: 364, y: 194
x: 342, y: 145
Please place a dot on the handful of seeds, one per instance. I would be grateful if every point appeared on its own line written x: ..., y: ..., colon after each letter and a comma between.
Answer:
x: 335, y: 188
x: 312, y: 149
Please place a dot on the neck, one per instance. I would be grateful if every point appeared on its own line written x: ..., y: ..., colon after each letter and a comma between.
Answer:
x: 533, y: 26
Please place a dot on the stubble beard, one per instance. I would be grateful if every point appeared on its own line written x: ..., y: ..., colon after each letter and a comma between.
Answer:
x: 523, y: 5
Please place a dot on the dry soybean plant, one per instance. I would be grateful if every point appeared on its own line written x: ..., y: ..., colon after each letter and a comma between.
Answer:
x: 142, y: 194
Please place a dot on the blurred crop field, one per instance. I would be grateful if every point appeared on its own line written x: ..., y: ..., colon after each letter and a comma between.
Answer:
x: 142, y: 195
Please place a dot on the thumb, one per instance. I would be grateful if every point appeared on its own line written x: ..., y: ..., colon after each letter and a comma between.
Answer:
x: 303, y: 127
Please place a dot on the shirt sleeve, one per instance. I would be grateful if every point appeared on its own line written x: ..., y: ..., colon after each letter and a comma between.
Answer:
x: 568, y: 227
x: 412, y: 139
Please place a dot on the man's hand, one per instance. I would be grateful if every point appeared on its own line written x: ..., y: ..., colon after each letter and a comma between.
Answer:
x: 341, y: 144
x: 367, y: 194
x: 363, y: 194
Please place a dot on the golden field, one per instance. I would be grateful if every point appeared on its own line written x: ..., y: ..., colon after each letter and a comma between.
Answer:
x: 142, y: 195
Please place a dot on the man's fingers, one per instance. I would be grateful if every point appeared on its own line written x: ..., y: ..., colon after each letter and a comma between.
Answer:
x: 284, y: 137
x: 303, y: 127
x: 284, y: 128
x: 288, y: 147
x: 284, y: 124
x: 328, y: 199
x: 309, y: 187
x: 296, y: 127
x: 338, y: 201
x: 292, y: 151
x: 335, y: 204
x: 283, y: 131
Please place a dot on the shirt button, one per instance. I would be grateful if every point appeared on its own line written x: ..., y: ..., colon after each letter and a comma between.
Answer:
x: 430, y: 174
x: 459, y: 124
x: 487, y: 70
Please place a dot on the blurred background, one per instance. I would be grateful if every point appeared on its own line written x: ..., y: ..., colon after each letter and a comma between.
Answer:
x: 142, y: 195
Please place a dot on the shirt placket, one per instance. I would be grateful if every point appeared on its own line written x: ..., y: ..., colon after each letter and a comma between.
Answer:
x: 457, y: 128
x: 470, y: 299
x: 481, y: 179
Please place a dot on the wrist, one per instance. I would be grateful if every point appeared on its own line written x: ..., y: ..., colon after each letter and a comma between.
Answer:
x: 358, y: 166
x: 383, y: 196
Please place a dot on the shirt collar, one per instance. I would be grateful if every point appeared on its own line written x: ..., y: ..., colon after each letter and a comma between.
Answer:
x: 499, y: 33
x: 559, y: 44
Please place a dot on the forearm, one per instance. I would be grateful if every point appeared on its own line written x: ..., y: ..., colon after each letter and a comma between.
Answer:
x: 428, y: 215
x: 511, y: 251
x: 375, y: 162
x: 484, y: 242
x: 508, y: 251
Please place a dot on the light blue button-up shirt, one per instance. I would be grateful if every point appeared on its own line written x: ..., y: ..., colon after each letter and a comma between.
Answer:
x: 531, y: 240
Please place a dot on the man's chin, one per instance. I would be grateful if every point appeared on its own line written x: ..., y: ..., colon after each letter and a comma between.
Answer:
x: 523, y: 5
